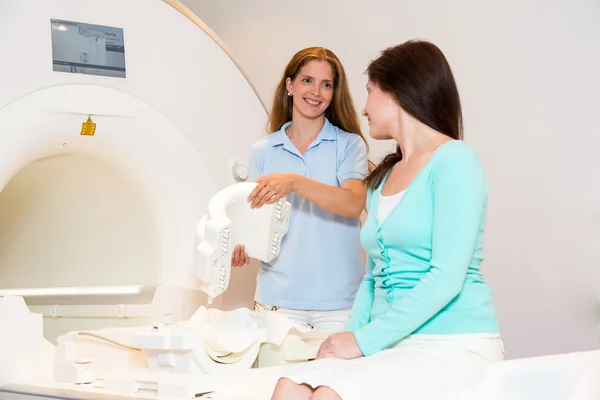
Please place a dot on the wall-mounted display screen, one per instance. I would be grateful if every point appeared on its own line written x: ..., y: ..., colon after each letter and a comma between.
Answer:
x: 87, y: 49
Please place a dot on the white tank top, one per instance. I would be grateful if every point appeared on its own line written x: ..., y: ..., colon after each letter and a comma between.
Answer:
x: 387, y: 204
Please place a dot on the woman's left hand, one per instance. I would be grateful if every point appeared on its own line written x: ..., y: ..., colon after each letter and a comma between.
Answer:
x: 340, y: 345
x: 271, y: 188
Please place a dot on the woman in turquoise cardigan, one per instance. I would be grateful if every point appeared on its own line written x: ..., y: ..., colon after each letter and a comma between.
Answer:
x: 423, y: 324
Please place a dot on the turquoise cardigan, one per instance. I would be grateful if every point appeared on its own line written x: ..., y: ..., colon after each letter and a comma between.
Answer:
x: 423, y: 261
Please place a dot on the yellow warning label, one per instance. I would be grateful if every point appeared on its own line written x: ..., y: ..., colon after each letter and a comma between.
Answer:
x: 89, y: 127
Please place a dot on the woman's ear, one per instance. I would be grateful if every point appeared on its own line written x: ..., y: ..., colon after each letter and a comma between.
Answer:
x: 288, y: 86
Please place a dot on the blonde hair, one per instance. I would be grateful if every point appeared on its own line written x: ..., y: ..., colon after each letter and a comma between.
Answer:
x: 341, y: 111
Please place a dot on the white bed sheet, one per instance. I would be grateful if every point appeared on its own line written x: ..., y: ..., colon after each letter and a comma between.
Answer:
x: 572, y: 376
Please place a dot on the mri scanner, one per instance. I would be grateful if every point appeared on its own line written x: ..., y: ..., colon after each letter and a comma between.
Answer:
x: 124, y: 132
x: 111, y: 150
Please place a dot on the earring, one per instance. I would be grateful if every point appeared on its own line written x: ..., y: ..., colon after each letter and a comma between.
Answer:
x: 289, y: 94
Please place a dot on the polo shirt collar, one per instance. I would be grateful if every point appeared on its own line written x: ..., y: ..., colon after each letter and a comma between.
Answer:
x: 327, y: 133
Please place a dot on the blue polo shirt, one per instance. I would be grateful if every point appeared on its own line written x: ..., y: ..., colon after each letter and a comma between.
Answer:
x: 320, y: 263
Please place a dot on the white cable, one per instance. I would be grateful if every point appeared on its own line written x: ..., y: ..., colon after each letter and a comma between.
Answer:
x: 95, y: 335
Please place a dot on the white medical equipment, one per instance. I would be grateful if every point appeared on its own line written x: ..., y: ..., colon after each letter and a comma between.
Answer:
x: 262, y: 231
x: 212, y: 341
x: 106, y: 167
x: 128, y: 361
x: 177, y: 360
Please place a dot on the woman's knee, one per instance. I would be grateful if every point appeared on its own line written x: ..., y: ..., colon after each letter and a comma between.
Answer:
x: 325, y: 393
x: 290, y: 390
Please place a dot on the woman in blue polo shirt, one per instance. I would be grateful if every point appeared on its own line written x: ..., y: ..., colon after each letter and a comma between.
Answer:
x: 315, y: 155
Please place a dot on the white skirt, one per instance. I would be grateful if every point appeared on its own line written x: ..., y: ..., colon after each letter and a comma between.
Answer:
x: 420, y: 367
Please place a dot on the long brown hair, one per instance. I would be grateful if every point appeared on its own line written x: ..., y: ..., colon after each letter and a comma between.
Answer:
x: 341, y: 111
x: 417, y: 75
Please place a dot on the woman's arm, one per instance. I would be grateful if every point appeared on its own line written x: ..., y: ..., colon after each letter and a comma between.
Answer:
x: 347, y: 200
x: 459, y: 195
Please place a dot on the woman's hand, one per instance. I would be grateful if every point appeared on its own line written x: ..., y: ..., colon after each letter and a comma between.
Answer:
x: 340, y: 345
x: 239, y: 257
x: 271, y: 188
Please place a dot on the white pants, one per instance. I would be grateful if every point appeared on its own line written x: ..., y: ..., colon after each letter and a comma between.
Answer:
x: 326, y: 321
x: 420, y: 367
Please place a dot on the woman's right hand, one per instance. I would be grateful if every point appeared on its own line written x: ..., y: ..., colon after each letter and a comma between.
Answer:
x: 239, y: 257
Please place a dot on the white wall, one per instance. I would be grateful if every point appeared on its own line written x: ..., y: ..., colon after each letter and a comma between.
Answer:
x: 528, y: 75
